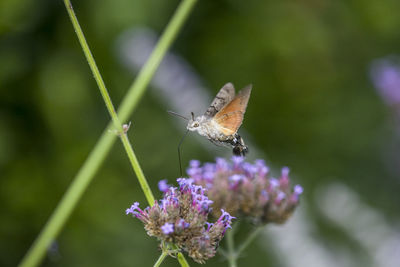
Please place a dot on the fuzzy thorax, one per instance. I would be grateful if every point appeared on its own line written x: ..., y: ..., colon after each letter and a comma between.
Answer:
x: 209, y: 128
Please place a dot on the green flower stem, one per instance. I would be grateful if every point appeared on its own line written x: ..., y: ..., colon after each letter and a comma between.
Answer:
x: 232, y: 256
x: 173, y: 249
x: 97, y: 155
x: 182, y: 261
x: 249, y: 239
x: 93, y: 66
x: 136, y: 167
x: 69, y: 200
x: 110, y: 107
x: 160, y: 259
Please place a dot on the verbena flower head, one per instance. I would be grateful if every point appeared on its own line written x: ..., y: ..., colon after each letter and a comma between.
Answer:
x: 246, y: 189
x: 180, y: 217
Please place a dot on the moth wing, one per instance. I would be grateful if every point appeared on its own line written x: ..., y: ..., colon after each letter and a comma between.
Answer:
x: 230, y: 117
x: 229, y: 123
x: 224, y: 96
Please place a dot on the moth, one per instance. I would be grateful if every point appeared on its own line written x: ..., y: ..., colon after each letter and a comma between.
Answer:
x: 221, y: 121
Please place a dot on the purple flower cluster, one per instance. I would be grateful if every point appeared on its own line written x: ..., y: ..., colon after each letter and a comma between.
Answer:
x: 180, y: 217
x: 246, y: 189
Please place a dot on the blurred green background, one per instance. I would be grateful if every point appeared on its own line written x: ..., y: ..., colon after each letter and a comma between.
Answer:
x: 313, y: 108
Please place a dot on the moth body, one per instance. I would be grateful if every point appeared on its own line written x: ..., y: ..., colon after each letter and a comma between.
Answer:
x: 223, y: 118
x: 208, y: 127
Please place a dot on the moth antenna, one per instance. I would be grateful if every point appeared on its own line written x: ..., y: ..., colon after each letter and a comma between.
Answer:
x: 176, y: 114
x: 192, y: 115
x: 179, y: 152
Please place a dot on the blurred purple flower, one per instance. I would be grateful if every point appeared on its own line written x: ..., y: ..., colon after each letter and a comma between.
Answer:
x: 279, y: 197
x: 245, y: 189
x: 163, y: 186
x: 298, y: 189
x: 274, y: 182
x: 385, y: 75
x: 194, y: 163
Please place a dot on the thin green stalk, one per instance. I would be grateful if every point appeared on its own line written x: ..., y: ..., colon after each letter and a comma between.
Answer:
x: 182, y: 261
x: 248, y: 240
x: 96, y: 157
x: 137, y: 169
x: 160, y: 259
x: 93, y: 66
x: 110, y: 107
x: 68, y: 202
x: 232, y: 256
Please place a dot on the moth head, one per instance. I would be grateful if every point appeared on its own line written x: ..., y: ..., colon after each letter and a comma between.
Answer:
x: 194, y: 123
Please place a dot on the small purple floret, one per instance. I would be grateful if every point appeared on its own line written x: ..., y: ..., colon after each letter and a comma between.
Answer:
x: 237, y: 160
x: 227, y: 216
x: 167, y: 228
x: 285, y: 171
x: 184, y: 182
x: 209, y: 225
x: 192, y: 171
x: 209, y: 167
x: 163, y: 186
x: 260, y: 163
x: 225, y: 220
x: 281, y: 195
x: 182, y: 224
x: 221, y: 164
x: 298, y: 189
x: 249, y: 168
x: 133, y: 209
x: 274, y: 182
x: 208, y: 175
x: 194, y: 163
x: 236, y: 178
